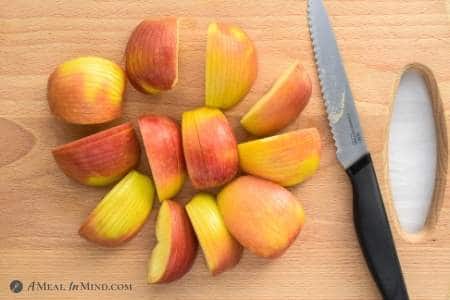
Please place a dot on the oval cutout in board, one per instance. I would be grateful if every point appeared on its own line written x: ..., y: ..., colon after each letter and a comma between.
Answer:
x: 413, y: 151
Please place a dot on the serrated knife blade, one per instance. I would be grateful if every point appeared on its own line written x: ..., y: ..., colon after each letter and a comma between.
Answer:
x: 369, y: 214
x: 339, y: 103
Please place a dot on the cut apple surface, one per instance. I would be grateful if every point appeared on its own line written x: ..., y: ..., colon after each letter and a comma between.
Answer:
x: 220, y: 249
x: 231, y: 65
x: 287, y: 159
x: 87, y: 90
x: 163, y: 145
x: 152, y: 55
x: 281, y: 105
x: 176, y: 246
x: 263, y: 216
x: 121, y: 213
x: 210, y: 147
x: 101, y: 158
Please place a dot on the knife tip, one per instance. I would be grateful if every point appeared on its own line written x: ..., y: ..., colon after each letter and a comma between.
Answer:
x: 314, y: 3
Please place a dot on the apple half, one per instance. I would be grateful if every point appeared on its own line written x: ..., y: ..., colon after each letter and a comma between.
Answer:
x: 121, y: 213
x: 163, y: 146
x: 101, y: 158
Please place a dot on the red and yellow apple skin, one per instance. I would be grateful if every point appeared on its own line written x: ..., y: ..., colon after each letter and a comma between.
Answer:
x: 287, y: 159
x: 176, y: 246
x: 87, y: 90
x: 263, y: 216
x: 220, y: 249
x: 163, y: 145
x: 152, y: 55
x: 210, y: 147
x: 100, y: 159
x: 231, y: 65
x: 281, y: 105
x: 121, y: 213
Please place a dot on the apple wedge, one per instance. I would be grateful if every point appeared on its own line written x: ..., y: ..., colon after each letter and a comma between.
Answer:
x: 220, y: 249
x: 231, y: 65
x: 263, y: 216
x: 101, y: 158
x: 121, y: 213
x: 281, y: 105
x: 176, y: 246
x: 287, y: 159
x: 163, y: 146
x: 152, y: 55
x: 210, y: 148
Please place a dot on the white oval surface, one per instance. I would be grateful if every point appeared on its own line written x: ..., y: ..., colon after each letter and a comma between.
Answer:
x: 412, y: 152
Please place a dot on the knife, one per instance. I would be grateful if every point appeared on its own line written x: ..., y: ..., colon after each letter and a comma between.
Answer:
x: 371, y: 223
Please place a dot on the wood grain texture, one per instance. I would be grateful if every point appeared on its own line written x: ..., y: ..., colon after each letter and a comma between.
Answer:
x: 41, y: 209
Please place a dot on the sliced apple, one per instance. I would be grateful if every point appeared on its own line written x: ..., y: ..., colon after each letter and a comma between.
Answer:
x: 220, y: 249
x: 152, y: 55
x: 163, y: 145
x: 87, y: 90
x: 177, y: 245
x: 121, y: 213
x: 263, y: 216
x: 101, y: 158
x: 210, y: 147
x: 281, y: 105
x: 287, y: 159
x: 231, y: 65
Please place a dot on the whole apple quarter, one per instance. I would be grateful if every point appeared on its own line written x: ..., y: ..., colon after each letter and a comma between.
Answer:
x: 263, y: 216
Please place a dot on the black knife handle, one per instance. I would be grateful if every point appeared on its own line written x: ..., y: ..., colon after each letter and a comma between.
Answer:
x: 374, y: 233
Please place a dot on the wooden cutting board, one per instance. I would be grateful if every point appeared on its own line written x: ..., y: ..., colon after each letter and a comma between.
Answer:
x: 41, y: 209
